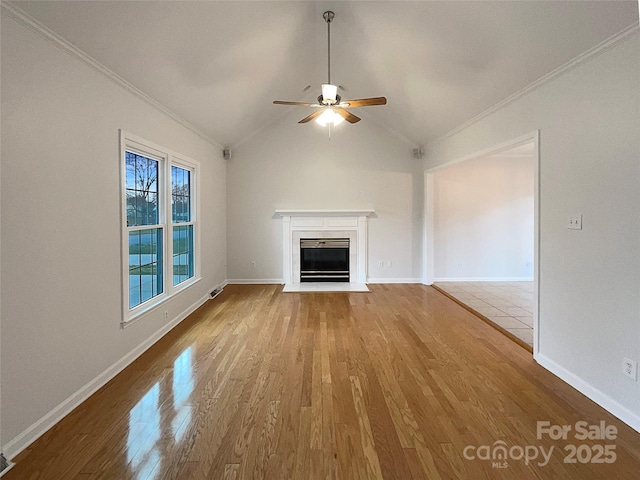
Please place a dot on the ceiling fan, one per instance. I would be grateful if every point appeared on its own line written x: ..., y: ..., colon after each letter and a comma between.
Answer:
x: 331, y: 107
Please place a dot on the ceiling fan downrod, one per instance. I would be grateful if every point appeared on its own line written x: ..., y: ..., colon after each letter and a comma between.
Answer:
x: 328, y: 17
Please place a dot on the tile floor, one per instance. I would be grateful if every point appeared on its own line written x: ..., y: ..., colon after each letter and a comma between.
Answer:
x: 507, y: 304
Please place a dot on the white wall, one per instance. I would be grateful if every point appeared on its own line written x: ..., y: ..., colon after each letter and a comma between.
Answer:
x: 288, y: 165
x: 589, y: 119
x: 483, y: 219
x: 61, y: 227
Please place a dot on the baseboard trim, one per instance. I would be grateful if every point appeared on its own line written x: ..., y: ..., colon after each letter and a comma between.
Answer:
x: 483, y: 279
x: 256, y: 281
x: 36, y: 430
x: 599, y: 397
x: 394, y: 280
x: 6, y: 470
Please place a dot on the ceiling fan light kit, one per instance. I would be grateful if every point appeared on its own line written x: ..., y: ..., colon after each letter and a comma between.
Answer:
x: 329, y: 115
x: 332, y: 110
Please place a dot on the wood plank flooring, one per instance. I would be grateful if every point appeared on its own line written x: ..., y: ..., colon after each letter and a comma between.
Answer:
x: 398, y: 383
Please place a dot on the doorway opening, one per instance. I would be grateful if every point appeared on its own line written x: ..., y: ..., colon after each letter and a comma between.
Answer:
x: 482, y: 235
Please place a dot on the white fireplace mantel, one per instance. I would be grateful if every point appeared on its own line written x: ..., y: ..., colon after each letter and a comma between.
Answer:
x: 325, y: 213
x: 297, y: 224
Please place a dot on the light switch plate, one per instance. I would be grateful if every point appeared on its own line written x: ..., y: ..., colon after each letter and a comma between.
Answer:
x: 575, y: 222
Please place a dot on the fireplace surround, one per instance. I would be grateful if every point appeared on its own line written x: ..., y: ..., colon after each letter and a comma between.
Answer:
x: 326, y: 224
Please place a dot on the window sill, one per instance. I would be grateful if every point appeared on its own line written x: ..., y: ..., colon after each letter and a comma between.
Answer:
x: 151, y: 305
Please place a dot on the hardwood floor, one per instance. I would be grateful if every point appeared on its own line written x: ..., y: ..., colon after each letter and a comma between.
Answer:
x: 400, y: 383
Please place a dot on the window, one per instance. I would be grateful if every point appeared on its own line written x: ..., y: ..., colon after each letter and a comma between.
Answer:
x: 160, y: 226
x: 182, y: 224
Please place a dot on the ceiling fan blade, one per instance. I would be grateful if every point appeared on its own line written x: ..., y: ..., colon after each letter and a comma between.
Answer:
x: 348, y: 116
x: 308, y: 118
x: 364, y: 102
x: 299, y: 104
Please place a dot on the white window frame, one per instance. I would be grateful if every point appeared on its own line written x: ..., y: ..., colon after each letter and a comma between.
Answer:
x: 166, y: 158
x: 192, y: 167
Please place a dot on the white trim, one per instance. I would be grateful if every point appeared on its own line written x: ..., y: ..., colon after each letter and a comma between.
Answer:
x: 428, y: 260
x: 4, y: 472
x: 492, y: 150
x: 483, y: 279
x: 255, y: 281
x: 41, y: 426
x: 574, y: 62
x: 394, y: 280
x: 609, y: 404
x: 364, y: 212
x: 536, y: 242
x: 31, y: 23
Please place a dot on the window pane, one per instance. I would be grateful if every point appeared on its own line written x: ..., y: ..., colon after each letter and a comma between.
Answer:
x: 134, y: 287
x: 152, y: 209
x: 134, y: 249
x: 146, y: 287
x: 152, y: 175
x: 130, y: 165
x: 180, y: 195
x: 142, y: 190
x: 131, y: 208
x: 182, y: 253
x: 145, y: 265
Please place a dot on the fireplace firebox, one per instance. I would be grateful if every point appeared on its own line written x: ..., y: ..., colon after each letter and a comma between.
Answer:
x: 324, y: 260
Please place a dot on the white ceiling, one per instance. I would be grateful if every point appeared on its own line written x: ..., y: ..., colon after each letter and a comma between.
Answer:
x: 219, y: 65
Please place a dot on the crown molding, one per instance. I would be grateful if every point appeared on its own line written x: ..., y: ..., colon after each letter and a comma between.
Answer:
x: 31, y: 23
x: 574, y: 62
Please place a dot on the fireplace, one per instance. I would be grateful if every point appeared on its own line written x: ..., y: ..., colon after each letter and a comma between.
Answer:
x: 324, y: 225
x: 324, y: 259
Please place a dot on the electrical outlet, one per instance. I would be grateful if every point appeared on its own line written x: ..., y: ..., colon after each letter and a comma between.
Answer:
x: 166, y: 315
x: 253, y: 264
x: 629, y: 368
x: 381, y: 263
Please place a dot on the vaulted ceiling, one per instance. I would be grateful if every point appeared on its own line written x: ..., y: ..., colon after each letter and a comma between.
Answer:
x: 219, y: 65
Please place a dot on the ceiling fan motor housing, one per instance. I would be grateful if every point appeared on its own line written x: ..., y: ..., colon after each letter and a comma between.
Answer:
x: 322, y: 101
